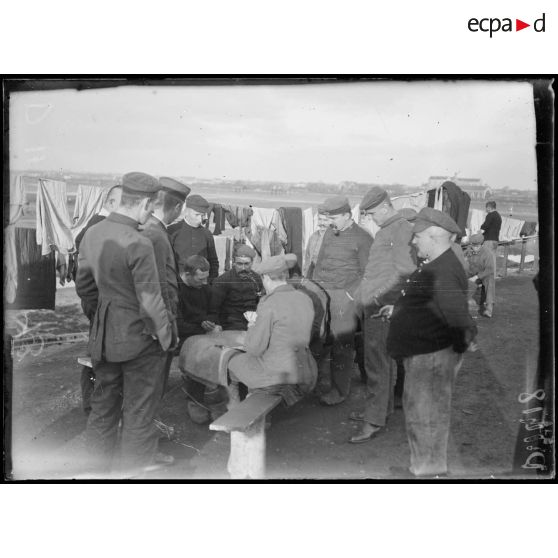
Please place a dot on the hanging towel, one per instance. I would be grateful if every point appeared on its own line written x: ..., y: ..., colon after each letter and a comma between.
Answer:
x: 511, y: 228
x: 413, y: 201
x: 89, y: 202
x: 309, y: 224
x: 223, y: 249
x: 216, y: 218
x: 476, y: 219
x: 268, y: 218
x: 53, y: 219
x: 17, y: 202
x: 292, y: 223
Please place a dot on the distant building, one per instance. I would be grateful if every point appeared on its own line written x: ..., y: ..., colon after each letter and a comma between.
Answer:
x: 473, y: 186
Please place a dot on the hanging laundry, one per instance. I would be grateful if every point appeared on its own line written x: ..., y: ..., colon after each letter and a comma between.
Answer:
x: 451, y: 199
x: 17, y: 203
x: 237, y: 216
x: 291, y: 218
x: 36, y: 274
x: 217, y: 221
x: 413, y: 201
x: 53, y: 220
x: 529, y: 228
x: 476, y: 219
x: 511, y: 228
x: 268, y: 218
x: 89, y: 202
x: 223, y: 248
x: 309, y: 224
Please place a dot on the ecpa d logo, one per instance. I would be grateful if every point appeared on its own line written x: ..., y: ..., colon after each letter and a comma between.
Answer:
x: 492, y: 25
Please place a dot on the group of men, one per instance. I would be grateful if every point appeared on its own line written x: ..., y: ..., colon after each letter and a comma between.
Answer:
x: 147, y: 285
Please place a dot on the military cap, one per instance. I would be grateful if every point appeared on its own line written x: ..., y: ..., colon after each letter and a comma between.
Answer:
x: 244, y: 251
x: 197, y: 203
x: 276, y: 264
x: 373, y: 198
x: 408, y: 213
x: 430, y: 217
x: 336, y: 205
x: 174, y: 186
x: 140, y: 183
x: 476, y: 239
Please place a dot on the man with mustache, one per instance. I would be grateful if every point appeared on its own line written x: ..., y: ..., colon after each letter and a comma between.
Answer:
x: 236, y: 291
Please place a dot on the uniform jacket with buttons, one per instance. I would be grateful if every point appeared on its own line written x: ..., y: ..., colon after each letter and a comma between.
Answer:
x: 156, y: 231
x: 117, y: 276
x: 277, y: 346
x: 391, y: 260
x: 194, y: 241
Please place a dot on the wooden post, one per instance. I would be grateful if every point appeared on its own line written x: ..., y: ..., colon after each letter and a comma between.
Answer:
x: 247, y: 457
x: 506, y: 253
x: 522, y: 259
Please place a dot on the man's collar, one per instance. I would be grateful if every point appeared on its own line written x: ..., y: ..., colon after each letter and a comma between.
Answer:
x: 123, y: 219
x: 103, y: 212
x: 159, y: 220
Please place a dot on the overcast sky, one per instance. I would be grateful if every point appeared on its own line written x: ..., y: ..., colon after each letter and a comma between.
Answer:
x: 389, y: 133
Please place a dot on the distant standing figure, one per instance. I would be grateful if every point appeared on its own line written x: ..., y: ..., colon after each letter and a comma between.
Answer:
x: 314, y: 245
x: 481, y: 272
x: 491, y: 229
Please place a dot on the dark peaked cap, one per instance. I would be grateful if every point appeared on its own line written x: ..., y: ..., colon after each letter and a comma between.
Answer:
x: 335, y: 206
x: 177, y: 188
x: 373, y: 198
x: 429, y: 217
x: 140, y: 183
x: 197, y: 203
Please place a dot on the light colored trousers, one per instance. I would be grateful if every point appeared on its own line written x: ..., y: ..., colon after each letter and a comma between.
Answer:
x: 427, y: 395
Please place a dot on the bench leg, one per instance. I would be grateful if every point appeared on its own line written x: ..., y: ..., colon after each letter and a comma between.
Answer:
x: 247, y: 457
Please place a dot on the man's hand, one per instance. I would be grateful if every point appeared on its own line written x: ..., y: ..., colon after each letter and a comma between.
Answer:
x: 384, y: 313
x: 208, y: 325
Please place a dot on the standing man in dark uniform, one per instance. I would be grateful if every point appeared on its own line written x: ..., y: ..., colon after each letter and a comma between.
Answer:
x: 491, y: 230
x: 430, y: 330
x: 111, y: 203
x: 118, y: 281
x: 339, y: 270
x: 391, y: 260
x: 166, y: 208
x: 190, y: 238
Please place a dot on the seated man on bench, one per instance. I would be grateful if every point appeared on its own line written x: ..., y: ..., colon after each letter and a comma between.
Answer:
x: 277, y: 358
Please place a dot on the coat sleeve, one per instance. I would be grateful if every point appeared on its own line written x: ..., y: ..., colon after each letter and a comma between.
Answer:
x: 86, y: 286
x: 258, y: 336
x: 451, y: 298
x: 143, y: 266
x: 390, y: 263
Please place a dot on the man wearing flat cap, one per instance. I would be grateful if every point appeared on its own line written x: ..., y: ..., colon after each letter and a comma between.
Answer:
x: 430, y: 329
x: 190, y: 238
x: 277, y: 357
x: 166, y: 208
x: 390, y: 262
x: 339, y: 269
x: 236, y: 291
x: 131, y: 332
x: 481, y: 270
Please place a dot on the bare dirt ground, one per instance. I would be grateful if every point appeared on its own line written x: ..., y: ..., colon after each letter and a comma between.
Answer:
x: 307, y: 441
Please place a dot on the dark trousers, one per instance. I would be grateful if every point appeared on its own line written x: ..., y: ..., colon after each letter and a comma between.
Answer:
x: 381, y: 372
x: 342, y: 350
x: 132, y: 391
x: 429, y: 381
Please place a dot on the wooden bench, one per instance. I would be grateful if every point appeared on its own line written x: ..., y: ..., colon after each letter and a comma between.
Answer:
x: 246, y: 424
